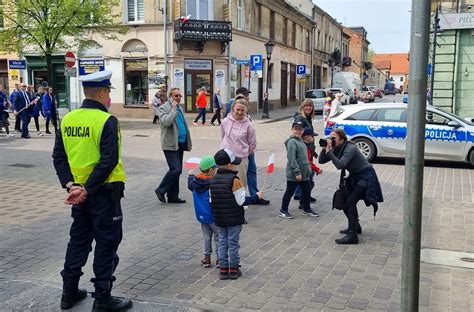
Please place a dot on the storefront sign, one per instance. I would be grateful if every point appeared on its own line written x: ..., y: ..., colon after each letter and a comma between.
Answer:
x: 136, y: 65
x: 17, y: 64
x: 220, y: 78
x: 456, y: 20
x: 14, y: 74
x: 178, y: 77
x: 89, y: 66
x: 198, y: 64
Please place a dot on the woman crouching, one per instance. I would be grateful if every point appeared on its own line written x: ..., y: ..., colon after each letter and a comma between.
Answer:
x: 362, y: 182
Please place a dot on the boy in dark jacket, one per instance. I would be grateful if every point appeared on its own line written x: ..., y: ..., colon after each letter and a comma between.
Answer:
x: 227, y: 201
x: 199, y: 185
x: 297, y: 172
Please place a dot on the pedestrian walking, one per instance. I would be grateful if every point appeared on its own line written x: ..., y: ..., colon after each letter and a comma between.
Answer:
x: 175, y: 140
x: 4, y: 115
x: 336, y: 105
x: 217, y: 103
x: 201, y: 104
x: 17, y: 117
x: 362, y: 183
x: 297, y: 172
x: 49, y: 110
x: 199, y: 184
x: 227, y: 201
x: 88, y: 161
x: 238, y: 134
x: 155, y: 104
x: 36, y: 109
x: 21, y: 107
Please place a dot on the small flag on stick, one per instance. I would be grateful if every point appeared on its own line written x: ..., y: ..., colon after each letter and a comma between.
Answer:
x: 271, y: 164
x: 192, y: 163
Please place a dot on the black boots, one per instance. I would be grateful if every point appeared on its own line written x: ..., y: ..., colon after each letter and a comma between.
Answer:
x: 359, y: 230
x: 113, y: 304
x: 69, y: 299
x: 349, y: 239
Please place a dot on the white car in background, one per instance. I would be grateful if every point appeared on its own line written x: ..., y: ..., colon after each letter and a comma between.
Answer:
x: 381, y: 129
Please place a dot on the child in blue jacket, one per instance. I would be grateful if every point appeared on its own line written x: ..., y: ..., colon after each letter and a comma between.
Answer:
x: 199, y: 185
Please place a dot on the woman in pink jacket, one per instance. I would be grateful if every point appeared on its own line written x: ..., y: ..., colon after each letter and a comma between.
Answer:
x: 238, y: 134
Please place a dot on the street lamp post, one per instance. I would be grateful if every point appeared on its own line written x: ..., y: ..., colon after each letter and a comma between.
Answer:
x: 269, y: 49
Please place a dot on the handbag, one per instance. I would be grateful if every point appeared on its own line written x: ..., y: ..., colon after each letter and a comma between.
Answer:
x: 339, y: 198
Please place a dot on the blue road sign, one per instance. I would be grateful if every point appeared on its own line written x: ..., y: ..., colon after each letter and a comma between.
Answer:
x: 301, y: 69
x: 241, y: 62
x: 256, y: 62
x: 17, y: 64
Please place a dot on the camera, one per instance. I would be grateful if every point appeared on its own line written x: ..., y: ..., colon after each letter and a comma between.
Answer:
x: 323, y: 142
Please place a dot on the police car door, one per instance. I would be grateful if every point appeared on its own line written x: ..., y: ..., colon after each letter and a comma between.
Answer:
x: 389, y: 129
x: 441, y: 140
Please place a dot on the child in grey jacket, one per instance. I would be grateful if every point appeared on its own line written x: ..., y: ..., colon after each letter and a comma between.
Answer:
x: 297, y: 172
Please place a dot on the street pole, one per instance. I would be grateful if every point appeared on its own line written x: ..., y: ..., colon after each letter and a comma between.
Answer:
x: 265, y: 113
x: 435, y: 35
x: 413, y: 188
x: 165, y: 45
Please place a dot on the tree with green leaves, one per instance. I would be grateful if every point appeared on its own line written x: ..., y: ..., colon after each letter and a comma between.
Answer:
x: 49, y: 27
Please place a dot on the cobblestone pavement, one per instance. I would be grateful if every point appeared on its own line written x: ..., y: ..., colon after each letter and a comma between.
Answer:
x: 288, y: 265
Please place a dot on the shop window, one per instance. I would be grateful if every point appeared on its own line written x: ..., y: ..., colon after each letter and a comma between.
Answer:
x: 200, y: 9
x: 136, y: 81
x: 135, y: 11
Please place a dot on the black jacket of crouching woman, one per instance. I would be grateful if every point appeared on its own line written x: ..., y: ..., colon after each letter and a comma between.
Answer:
x: 362, y: 184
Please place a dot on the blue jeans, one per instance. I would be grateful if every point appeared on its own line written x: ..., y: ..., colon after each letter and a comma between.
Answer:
x: 209, y: 230
x: 170, y: 183
x: 252, y: 175
x: 229, y: 246
x: 202, y: 113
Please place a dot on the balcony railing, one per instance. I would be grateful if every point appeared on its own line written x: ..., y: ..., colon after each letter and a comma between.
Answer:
x: 202, y: 31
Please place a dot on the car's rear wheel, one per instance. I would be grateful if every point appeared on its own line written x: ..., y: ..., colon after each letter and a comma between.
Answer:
x: 366, y: 147
x: 471, y: 157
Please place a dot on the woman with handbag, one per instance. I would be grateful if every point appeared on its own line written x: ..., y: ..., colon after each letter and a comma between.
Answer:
x: 362, y: 182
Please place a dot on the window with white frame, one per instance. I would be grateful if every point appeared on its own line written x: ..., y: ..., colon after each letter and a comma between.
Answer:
x: 200, y: 9
x: 240, y: 14
x: 135, y: 11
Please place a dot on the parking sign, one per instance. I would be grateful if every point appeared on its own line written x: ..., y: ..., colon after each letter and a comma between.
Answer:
x: 256, y: 65
x: 301, y: 71
x: 256, y: 62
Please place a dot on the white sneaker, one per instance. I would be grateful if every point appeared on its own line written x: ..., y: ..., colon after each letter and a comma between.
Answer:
x: 39, y: 133
x: 246, y: 207
x: 10, y: 135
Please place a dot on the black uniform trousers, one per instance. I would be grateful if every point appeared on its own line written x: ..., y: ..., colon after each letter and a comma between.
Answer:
x: 99, y: 218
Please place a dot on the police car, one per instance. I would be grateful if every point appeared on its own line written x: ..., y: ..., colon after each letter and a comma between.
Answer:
x: 381, y: 129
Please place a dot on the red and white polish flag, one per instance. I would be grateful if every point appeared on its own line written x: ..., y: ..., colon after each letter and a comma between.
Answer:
x: 271, y: 164
x: 192, y: 163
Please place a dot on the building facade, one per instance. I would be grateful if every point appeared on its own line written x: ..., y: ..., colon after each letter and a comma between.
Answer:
x: 358, y: 51
x: 454, y: 70
x: 396, y: 66
x: 211, y: 49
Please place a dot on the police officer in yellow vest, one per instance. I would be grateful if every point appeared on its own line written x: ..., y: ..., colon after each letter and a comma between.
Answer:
x: 88, y: 161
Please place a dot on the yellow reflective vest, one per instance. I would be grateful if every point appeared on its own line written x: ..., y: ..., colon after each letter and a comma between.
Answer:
x: 81, y: 131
